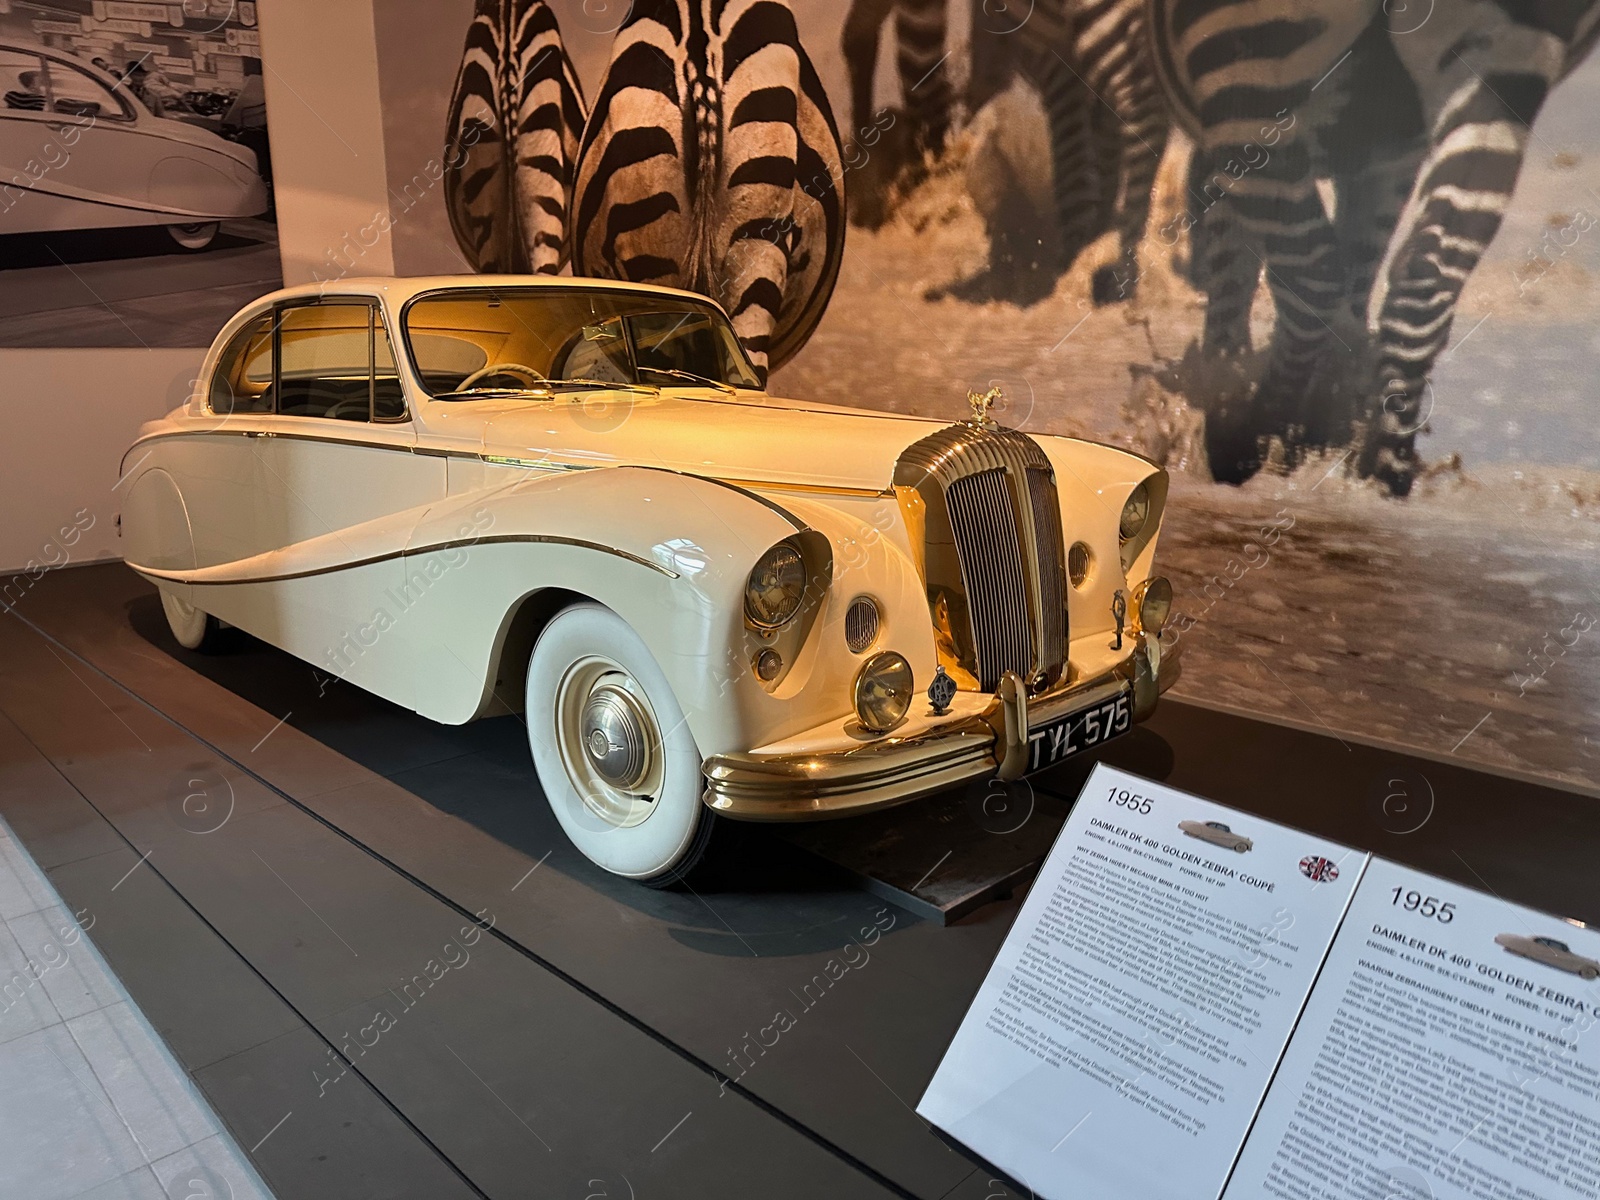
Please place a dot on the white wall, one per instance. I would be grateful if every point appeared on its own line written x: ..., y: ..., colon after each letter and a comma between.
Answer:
x: 67, y: 417
x: 325, y: 118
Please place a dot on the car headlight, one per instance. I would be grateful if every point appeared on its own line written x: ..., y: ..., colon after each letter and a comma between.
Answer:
x: 1135, y: 513
x: 883, y: 691
x: 1155, y: 604
x: 776, y: 585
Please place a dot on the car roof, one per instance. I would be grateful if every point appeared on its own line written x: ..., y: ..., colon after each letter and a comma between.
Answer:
x: 397, y: 290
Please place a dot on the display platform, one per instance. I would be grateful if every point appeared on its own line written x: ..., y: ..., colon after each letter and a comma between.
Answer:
x: 365, y: 938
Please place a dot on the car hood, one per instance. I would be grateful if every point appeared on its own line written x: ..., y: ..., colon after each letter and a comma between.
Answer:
x: 750, y: 438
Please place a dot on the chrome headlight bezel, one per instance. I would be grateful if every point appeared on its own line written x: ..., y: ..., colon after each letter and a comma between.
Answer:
x: 784, y: 567
x: 1135, y: 513
x: 1153, y: 598
x: 883, y: 692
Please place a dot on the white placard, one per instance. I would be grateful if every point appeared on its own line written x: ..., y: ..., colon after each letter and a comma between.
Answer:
x: 1447, y: 1052
x: 1123, y: 1039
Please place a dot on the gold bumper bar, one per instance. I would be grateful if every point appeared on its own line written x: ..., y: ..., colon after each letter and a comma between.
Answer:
x: 890, y: 771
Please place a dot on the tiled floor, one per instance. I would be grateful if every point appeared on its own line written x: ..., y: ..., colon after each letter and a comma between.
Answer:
x: 92, y: 1104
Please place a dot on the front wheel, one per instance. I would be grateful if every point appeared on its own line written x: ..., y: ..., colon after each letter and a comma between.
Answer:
x: 614, y: 753
x: 195, y: 236
x: 194, y: 629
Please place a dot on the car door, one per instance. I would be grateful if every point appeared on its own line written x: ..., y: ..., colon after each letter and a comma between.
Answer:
x: 340, y: 486
x: 340, y: 434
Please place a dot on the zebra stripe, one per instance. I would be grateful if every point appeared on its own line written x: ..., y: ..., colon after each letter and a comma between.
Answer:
x: 1427, y: 172
x: 511, y: 140
x: 1108, y: 125
x: 926, y: 94
x: 711, y: 162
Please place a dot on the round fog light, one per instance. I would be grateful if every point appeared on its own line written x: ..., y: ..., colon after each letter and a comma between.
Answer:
x: 768, y: 664
x: 1155, y: 604
x: 883, y: 691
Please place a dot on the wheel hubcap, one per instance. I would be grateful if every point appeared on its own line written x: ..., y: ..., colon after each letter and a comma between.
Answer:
x: 616, y: 733
x: 610, y: 742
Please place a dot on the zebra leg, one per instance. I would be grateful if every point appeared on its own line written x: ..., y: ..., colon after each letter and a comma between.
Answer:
x: 1273, y: 219
x: 1075, y: 178
x: 863, y: 29
x: 876, y: 165
x: 1144, y: 140
x: 919, y: 27
x: 1221, y: 266
x: 1455, y: 209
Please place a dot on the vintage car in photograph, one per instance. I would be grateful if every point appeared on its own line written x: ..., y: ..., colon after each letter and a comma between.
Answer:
x: 1550, y: 951
x: 572, y: 498
x: 79, y: 151
x: 1217, y: 834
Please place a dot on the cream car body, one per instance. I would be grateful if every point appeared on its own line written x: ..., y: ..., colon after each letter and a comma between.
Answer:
x: 1218, y: 834
x: 423, y: 555
x: 1552, y: 952
x: 81, y: 152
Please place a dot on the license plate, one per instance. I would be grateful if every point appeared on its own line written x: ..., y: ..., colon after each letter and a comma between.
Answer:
x: 1076, y: 732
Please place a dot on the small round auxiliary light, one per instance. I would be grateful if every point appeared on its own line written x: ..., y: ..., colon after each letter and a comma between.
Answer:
x: 1079, y: 560
x: 883, y: 691
x: 768, y: 664
x: 861, y: 624
x: 1154, y: 600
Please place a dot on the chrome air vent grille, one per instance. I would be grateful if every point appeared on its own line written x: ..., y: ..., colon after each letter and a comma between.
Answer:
x: 992, y: 574
x: 985, y: 501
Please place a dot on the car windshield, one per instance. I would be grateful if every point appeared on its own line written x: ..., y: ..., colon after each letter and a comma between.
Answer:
x: 473, y: 341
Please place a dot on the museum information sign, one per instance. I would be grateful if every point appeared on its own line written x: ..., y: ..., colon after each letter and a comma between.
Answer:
x: 1175, y: 958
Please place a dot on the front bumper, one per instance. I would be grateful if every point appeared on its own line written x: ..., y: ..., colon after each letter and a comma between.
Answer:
x: 992, y: 741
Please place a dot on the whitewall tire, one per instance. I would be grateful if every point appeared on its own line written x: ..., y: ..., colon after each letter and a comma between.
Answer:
x: 196, y: 236
x: 194, y: 629
x: 614, y: 754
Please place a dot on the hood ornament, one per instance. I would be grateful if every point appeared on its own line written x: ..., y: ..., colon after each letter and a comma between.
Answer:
x: 981, y: 403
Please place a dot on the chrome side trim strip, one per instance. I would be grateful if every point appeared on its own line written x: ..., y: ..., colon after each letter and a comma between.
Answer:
x: 549, y: 539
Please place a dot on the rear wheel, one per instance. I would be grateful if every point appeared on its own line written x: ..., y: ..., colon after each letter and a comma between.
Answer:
x: 196, y: 236
x: 614, y: 753
x: 194, y: 629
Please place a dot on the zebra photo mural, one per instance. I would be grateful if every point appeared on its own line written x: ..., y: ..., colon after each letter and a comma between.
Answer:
x: 1331, y: 263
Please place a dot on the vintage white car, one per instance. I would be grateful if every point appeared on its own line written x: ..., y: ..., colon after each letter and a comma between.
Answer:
x: 572, y: 498
x: 78, y: 151
x: 1218, y: 834
x: 1552, y: 952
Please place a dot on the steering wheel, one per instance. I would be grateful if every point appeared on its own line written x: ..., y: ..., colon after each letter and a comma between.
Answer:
x: 531, y: 377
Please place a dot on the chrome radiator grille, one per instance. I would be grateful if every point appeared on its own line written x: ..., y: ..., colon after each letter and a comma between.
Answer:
x: 985, y: 500
x: 991, y: 572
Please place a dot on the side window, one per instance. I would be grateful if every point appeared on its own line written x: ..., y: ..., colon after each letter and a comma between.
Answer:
x: 242, y: 382
x: 22, y: 82
x: 335, y: 362
x: 76, y: 94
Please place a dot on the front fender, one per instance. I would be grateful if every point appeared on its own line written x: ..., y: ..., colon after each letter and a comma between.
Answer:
x: 669, y: 553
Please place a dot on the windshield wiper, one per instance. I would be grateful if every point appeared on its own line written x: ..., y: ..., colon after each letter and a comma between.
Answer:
x: 601, y: 383
x: 692, y: 378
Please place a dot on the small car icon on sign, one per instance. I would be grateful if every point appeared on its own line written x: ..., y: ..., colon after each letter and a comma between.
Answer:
x: 1217, y: 834
x: 1551, y: 952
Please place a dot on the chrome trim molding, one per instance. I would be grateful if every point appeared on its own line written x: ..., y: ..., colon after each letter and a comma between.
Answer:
x: 188, y: 577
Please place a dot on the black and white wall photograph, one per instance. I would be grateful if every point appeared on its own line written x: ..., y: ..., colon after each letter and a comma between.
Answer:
x: 135, y: 171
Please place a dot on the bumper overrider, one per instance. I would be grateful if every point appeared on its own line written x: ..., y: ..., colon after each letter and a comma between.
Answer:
x: 997, y: 741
